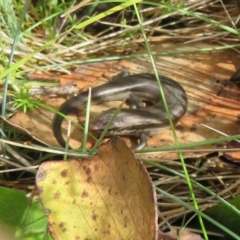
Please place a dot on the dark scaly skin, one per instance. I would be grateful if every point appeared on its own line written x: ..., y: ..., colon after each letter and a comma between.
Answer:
x: 139, y: 122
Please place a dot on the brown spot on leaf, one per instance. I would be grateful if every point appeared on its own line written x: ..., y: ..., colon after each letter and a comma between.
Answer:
x: 193, y: 129
x: 84, y: 194
x: 87, y: 170
x: 89, y: 179
x: 64, y: 173
x: 57, y: 195
x: 54, y: 182
x: 61, y: 224
x: 106, y: 232
x: 94, y: 217
x: 180, y: 127
x: 96, y: 167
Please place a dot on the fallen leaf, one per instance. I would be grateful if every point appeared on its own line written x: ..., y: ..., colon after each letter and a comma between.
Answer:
x: 28, y: 125
x: 109, y: 196
x: 82, y: 76
x: 212, y: 100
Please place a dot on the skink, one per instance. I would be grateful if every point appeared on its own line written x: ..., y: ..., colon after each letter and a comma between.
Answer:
x: 137, y: 121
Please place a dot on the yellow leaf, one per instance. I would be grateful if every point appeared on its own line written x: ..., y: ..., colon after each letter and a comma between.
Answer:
x: 109, y: 196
